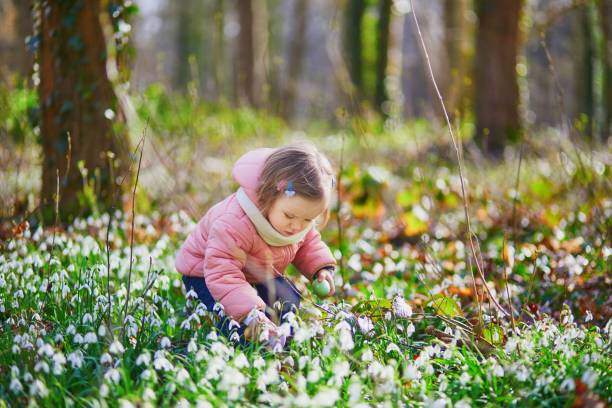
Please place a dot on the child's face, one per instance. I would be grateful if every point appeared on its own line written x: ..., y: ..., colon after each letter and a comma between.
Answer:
x: 290, y: 215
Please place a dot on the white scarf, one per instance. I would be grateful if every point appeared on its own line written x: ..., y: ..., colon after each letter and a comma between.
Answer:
x: 265, y: 230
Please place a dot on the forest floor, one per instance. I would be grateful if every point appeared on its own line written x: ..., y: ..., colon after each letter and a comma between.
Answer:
x: 418, y: 320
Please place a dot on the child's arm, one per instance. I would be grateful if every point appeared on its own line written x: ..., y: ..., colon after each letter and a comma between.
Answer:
x: 225, y: 258
x: 313, y: 255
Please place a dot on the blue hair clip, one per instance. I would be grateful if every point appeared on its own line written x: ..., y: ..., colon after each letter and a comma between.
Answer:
x: 290, y: 192
x: 333, y: 182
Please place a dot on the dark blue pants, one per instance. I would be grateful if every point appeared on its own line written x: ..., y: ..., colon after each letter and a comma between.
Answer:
x: 274, y: 290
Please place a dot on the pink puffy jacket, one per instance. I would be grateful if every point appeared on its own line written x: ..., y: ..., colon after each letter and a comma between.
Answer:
x: 227, y: 251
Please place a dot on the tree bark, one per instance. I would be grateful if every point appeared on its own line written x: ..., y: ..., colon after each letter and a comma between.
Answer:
x: 15, y: 25
x: 77, y: 98
x: 384, y: 20
x: 296, y: 58
x: 455, y: 38
x: 252, y: 42
x: 219, y: 52
x: 354, y: 15
x: 497, y: 95
x: 587, y: 74
x: 605, y: 7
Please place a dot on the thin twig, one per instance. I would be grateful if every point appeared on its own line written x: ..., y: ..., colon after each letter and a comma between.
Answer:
x: 127, y: 300
x: 340, y: 229
x: 110, y: 221
x: 461, y: 178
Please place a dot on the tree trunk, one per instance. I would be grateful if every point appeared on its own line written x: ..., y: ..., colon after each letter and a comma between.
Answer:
x: 455, y: 33
x: 15, y: 26
x: 296, y: 57
x: 384, y: 19
x: 587, y: 74
x: 606, y: 53
x: 219, y: 52
x: 77, y: 99
x: 252, y: 42
x: 354, y: 15
x: 497, y: 95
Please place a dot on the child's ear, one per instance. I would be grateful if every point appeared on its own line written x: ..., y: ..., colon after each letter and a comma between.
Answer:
x: 323, y: 218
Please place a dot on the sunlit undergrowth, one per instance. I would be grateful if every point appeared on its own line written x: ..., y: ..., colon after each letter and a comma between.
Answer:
x: 404, y: 332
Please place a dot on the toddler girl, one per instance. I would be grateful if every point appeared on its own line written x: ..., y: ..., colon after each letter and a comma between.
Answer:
x: 238, y: 252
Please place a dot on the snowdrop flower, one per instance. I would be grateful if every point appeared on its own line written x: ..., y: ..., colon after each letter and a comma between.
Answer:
x: 112, y: 375
x: 240, y: 361
x: 215, y: 366
x: 409, y: 330
x: 411, y: 372
x: 192, y: 346
x: 496, y: 370
x: 87, y: 318
x: 15, y: 386
x: 314, y: 375
x: 302, y: 335
x: 235, y: 337
x: 201, y: 355
x: 148, y: 394
x: 463, y: 404
x: 367, y: 355
x: 212, y: 336
x: 218, y: 307
x: 589, y: 316
x: 522, y: 373
x: 106, y: 359
x: 38, y: 388
x: 346, y: 340
x: 102, y: 330
x: 465, y: 378
x: 567, y: 385
x: 143, y: 359
x: 182, y: 376
x: 42, y: 366
x: 116, y: 347
x: 365, y: 325
x: 165, y: 342
x: 589, y: 378
x: 45, y: 349
x: 162, y: 363
x: 326, y: 397
x: 401, y: 308
x: 90, y: 338
x: 58, y: 363
x: 233, y: 324
x: 391, y: 347
x: 186, y: 324
x: 202, y: 403
x: 191, y: 294
x: 75, y: 359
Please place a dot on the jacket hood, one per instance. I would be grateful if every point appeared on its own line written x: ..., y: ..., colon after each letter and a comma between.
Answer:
x: 248, y: 168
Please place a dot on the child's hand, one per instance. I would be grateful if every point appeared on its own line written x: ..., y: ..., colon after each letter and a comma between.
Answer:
x: 258, y: 326
x: 326, y: 274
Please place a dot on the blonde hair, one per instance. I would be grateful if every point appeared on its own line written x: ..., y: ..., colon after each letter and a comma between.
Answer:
x: 308, y: 170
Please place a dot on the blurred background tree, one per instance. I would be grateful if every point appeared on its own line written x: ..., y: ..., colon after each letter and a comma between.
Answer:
x: 83, y: 140
x: 301, y: 60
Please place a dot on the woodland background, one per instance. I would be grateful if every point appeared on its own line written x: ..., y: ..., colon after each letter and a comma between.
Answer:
x: 473, y: 241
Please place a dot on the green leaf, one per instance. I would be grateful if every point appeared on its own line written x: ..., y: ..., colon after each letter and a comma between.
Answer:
x: 371, y: 305
x: 409, y: 196
x: 413, y: 225
x: 446, y: 306
x: 541, y: 188
x: 494, y: 334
